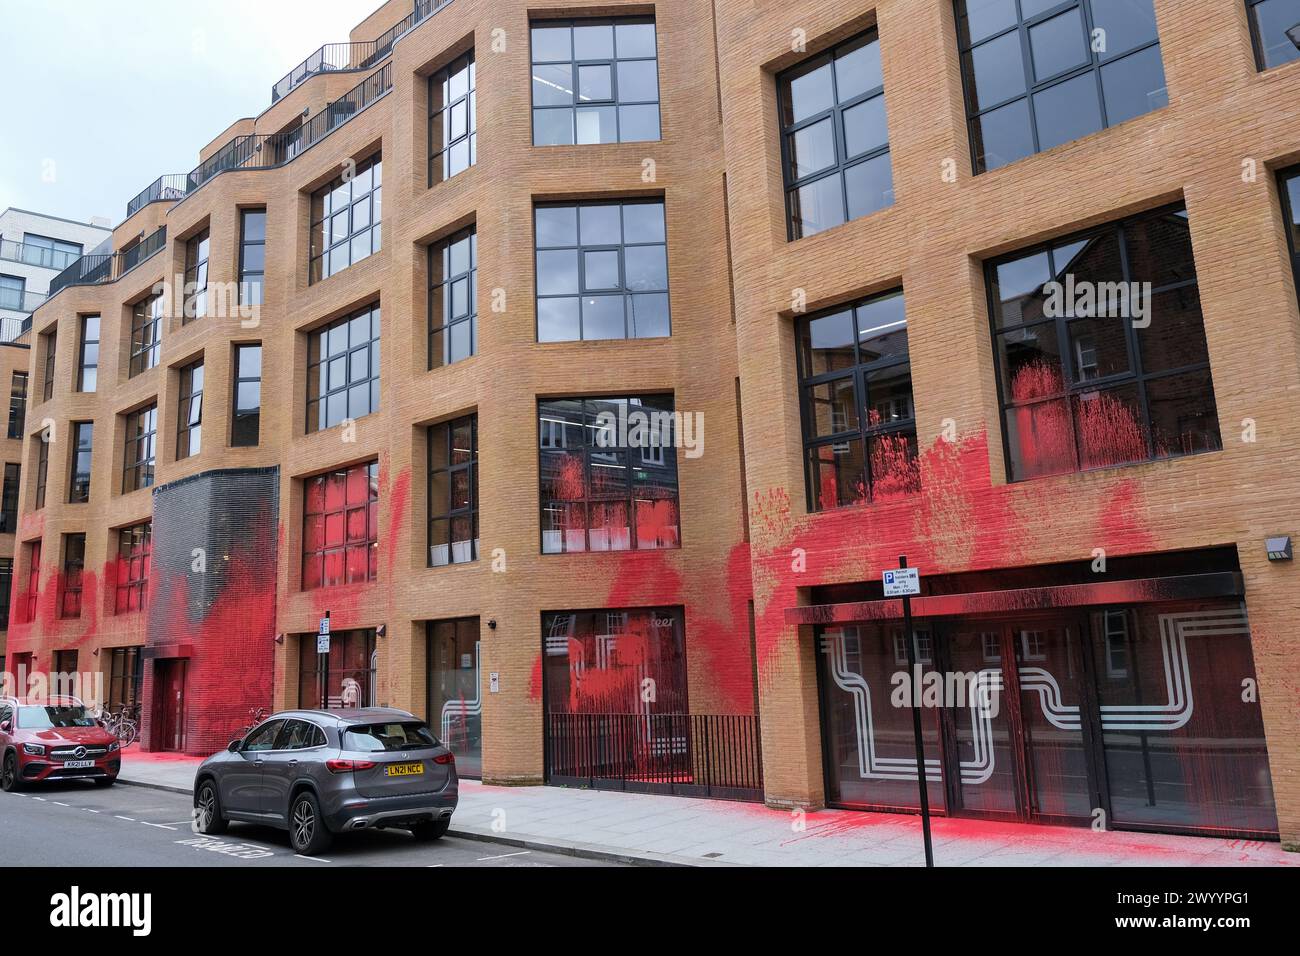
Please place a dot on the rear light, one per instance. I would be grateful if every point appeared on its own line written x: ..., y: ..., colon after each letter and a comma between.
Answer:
x: 348, y: 766
x: 446, y: 758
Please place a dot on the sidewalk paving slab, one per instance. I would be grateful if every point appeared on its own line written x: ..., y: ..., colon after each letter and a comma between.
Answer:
x: 659, y: 830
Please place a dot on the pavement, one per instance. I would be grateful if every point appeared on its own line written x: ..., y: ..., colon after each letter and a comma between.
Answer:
x: 650, y: 830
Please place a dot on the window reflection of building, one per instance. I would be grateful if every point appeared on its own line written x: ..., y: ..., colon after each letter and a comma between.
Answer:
x: 343, y: 677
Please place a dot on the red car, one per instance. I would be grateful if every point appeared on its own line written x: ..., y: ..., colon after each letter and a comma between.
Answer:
x: 55, y: 739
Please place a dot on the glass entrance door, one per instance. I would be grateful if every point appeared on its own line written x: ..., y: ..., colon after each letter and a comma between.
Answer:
x: 986, y: 778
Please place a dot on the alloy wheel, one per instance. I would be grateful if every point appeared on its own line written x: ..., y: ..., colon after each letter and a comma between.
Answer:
x: 304, y: 823
x: 207, y: 807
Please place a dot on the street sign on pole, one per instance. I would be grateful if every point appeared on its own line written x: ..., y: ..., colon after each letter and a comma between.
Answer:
x: 323, y: 635
x: 904, y: 583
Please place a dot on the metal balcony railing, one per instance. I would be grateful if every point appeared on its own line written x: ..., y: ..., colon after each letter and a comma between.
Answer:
x: 170, y: 188
x: 39, y: 256
x: 93, y: 270
x: 12, y: 329
x: 20, y: 300
x: 340, y: 57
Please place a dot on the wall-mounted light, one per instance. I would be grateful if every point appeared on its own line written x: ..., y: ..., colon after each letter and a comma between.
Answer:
x: 492, y: 624
x: 1279, y: 549
x: 382, y: 630
x: 95, y: 652
x: 279, y: 638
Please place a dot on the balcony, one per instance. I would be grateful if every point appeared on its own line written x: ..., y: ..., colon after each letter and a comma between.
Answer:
x: 36, y: 255
x: 95, y: 270
x: 346, y: 57
x: 13, y: 329
x: 170, y: 188
x: 20, y: 300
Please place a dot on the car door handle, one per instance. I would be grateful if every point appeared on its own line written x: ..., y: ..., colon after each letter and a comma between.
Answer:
x: 293, y: 763
x: 258, y: 762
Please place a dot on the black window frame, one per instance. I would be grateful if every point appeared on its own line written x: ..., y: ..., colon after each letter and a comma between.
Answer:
x: 323, y: 199
x: 18, y: 405
x: 134, y: 554
x: 74, y: 565
x: 42, y: 469
x: 1291, y: 217
x: 652, y: 402
x: 1032, y: 87
x: 860, y: 372
x: 319, y: 368
x: 246, y: 421
x: 141, y: 427
x: 6, y: 587
x: 835, y: 113
x: 441, y: 437
x: 189, y: 411
x: 443, y: 318
x: 250, y: 279
x: 13, y: 476
x: 574, y: 64
x: 85, y: 365
x: 440, y: 153
x: 198, y: 250
x: 1136, y: 376
x: 628, y: 295
x: 146, y: 335
x: 83, y: 443
x: 1257, y: 40
x: 50, y: 340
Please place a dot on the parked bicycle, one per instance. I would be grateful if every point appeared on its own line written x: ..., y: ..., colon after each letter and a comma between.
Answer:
x: 122, y: 724
x: 257, y: 715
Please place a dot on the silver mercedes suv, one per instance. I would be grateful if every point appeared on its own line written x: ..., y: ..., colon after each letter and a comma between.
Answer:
x: 316, y: 773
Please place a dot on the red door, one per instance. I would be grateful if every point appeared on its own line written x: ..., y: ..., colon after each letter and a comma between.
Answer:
x: 169, y: 704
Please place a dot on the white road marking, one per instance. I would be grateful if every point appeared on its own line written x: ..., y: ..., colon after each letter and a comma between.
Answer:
x: 41, y: 799
x: 119, y: 817
x: 160, y: 826
x: 58, y: 804
x: 88, y: 810
x: 503, y: 856
x: 434, y: 866
x: 317, y: 859
x: 175, y: 823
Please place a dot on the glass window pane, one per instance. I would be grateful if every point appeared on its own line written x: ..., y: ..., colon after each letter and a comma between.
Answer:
x: 557, y: 271
x: 995, y: 71
x: 882, y: 329
x: 593, y: 42
x: 595, y: 82
x: 857, y: 68
x: 557, y: 320
x: 638, y: 124
x: 812, y: 148
x: 603, y: 317
x: 832, y: 408
x: 635, y: 40
x: 1030, y: 362
x: 553, y: 85
x: 648, y: 317
x: 895, y: 465
x: 1273, y: 18
x: 600, y: 270
x: 979, y: 19
x: 644, y: 222
x: 1184, y: 418
x: 1109, y: 427
x: 556, y: 226
x: 552, y: 127
x: 1126, y: 24
x: 870, y: 186
x: 807, y: 91
x: 1098, y: 347
x: 1003, y: 136
x: 638, y: 81
x: 1134, y: 85
x: 1058, y: 44
x: 1176, y: 334
x: 1040, y: 439
x: 837, y: 475
x: 647, y: 268
x: 600, y: 225
x: 595, y: 124
x: 864, y: 127
x: 827, y: 343
x: 551, y: 44
x: 817, y: 206
x: 1067, y: 111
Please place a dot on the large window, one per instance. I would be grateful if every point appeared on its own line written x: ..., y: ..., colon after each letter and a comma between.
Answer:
x: 134, y: 554
x: 1289, y: 187
x: 455, y: 690
x: 126, y: 677
x: 340, y: 536
x: 834, y: 140
x: 246, y: 422
x: 453, y: 142
x: 1273, y: 27
x: 343, y: 370
x: 88, y: 354
x: 33, y: 579
x: 602, y: 271
x: 1039, y: 73
x: 82, y: 446
x: 1096, y: 368
x: 453, y: 293
x: 598, y: 662
x: 42, y: 466
x: 855, y: 384
x: 74, y: 563
x: 453, y: 491
x: 13, y: 293
x: 196, y: 276
x: 9, y: 501
x: 49, y: 253
x: 345, y: 220
x: 6, y: 586
x: 252, y: 255
x: 608, y: 474
x: 189, y: 417
x: 17, y: 404
x: 141, y: 449
x: 343, y: 677
x: 595, y: 81
x: 146, y: 334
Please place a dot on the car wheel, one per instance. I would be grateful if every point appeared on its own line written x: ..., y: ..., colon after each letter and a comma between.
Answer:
x: 307, y: 830
x: 207, y: 810
x: 105, y: 781
x: 9, y: 779
x: 429, y: 831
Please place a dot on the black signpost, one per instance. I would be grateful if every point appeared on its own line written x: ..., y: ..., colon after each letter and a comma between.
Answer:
x: 910, y: 640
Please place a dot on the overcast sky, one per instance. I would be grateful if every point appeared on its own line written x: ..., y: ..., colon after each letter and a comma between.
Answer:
x: 101, y: 97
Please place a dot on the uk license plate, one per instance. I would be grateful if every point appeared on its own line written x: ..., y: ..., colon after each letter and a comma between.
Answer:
x: 78, y: 764
x: 405, y: 769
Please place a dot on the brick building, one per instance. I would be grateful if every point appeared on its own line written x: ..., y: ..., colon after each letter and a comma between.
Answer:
x: 593, y: 444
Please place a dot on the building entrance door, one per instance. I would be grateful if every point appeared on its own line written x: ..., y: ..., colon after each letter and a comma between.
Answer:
x: 169, y: 704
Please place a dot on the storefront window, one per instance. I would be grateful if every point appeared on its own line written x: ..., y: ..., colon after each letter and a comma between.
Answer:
x: 615, y: 662
x: 340, y: 679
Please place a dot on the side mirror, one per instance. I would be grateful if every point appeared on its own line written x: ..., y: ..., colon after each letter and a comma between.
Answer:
x: 234, y: 745
x: 7, y: 726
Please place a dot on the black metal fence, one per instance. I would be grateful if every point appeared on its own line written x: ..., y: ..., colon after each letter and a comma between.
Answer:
x: 92, y: 270
x: 690, y: 755
x: 169, y: 188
